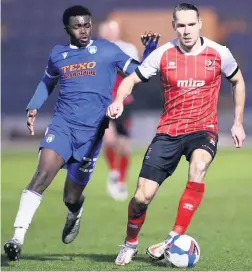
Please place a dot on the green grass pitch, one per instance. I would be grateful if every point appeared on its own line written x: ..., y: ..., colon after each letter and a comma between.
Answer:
x: 222, y: 225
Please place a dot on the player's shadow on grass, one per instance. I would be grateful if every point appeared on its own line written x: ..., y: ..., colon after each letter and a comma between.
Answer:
x: 4, y: 261
x: 110, y: 258
x: 69, y: 257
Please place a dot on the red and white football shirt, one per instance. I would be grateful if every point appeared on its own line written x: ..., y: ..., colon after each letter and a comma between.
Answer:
x: 191, y: 84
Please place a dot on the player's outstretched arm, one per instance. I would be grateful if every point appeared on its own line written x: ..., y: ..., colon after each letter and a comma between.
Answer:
x: 142, y: 73
x: 126, y: 86
x: 44, y: 89
x: 116, y: 108
x: 237, y: 130
x: 127, y: 65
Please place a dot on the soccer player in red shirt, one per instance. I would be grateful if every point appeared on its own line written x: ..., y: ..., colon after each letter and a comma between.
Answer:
x: 116, y: 144
x: 190, y: 72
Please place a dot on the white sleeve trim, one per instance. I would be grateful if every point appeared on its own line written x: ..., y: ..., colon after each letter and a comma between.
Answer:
x: 126, y: 65
x: 228, y: 62
x: 50, y: 75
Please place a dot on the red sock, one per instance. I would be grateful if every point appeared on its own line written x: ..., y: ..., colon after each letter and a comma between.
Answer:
x: 189, y: 202
x: 123, y: 167
x: 110, y: 156
x: 135, y: 222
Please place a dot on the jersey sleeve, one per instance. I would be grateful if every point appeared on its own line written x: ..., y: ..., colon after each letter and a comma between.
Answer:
x: 150, y: 66
x: 134, y: 53
x: 51, y: 70
x: 229, y: 66
x: 45, y: 86
x: 124, y: 62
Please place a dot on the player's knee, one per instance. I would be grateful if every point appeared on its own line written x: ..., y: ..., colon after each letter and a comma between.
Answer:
x: 146, y: 190
x: 40, y: 181
x: 71, y: 198
x: 200, y: 167
x: 124, y: 146
x: 109, y: 144
x: 142, y: 198
x: 198, y: 170
x: 138, y: 205
x: 109, y: 139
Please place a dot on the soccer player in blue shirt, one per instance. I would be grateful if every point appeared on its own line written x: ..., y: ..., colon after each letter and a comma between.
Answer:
x: 86, y: 70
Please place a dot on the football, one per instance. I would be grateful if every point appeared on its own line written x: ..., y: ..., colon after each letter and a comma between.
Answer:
x: 183, y: 252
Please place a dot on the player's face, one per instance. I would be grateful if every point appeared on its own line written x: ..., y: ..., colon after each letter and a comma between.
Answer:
x: 187, y: 26
x: 79, y: 29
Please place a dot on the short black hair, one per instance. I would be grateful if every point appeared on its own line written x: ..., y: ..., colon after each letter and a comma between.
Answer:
x: 74, y: 11
x: 184, y: 6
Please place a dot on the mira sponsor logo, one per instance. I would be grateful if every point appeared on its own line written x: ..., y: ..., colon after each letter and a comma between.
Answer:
x: 191, y: 83
x: 79, y: 69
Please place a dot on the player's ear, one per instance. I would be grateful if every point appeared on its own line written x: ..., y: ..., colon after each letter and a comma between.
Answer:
x: 66, y: 29
x: 173, y: 24
x: 200, y: 23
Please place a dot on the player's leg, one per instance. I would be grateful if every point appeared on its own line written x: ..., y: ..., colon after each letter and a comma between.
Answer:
x: 159, y: 162
x: 123, y: 126
x: 50, y: 161
x: 48, y: 166
x: 123, y: 158
x: 145, y: 192
x: 200, y: 149
x: 109, y: 148
x: 75, y: 183
x: 80, y: 169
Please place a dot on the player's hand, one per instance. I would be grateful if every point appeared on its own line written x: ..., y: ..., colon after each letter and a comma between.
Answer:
x: 115, y: 110
x: 238, y: 135
x: 31, y: 116
x: 149, y: 37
